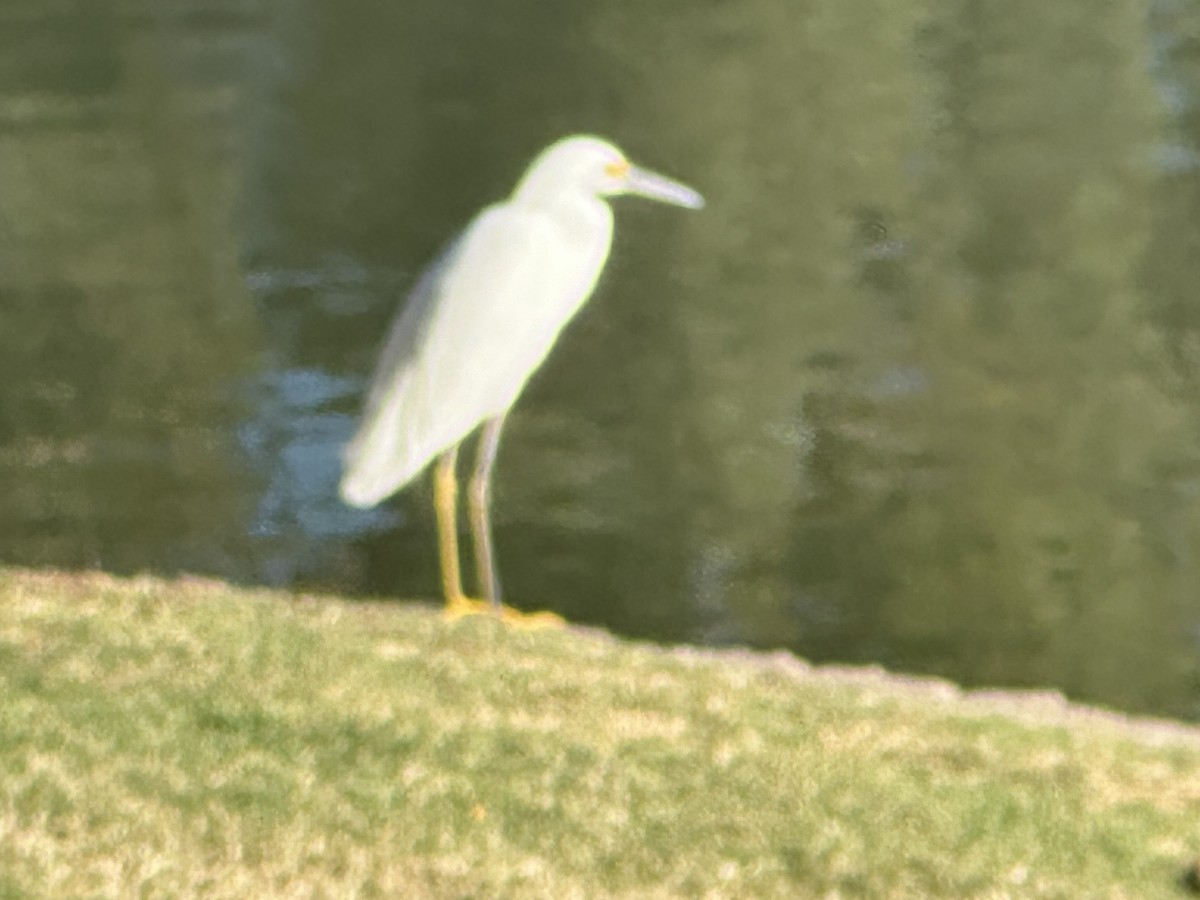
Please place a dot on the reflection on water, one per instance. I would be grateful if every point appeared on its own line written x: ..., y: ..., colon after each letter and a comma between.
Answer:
x: 918, y: 386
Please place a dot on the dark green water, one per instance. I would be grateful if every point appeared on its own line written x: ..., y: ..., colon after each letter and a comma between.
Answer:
x: 919, y: 387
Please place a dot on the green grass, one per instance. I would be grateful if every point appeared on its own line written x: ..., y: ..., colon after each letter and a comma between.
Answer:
x: 187, y: 739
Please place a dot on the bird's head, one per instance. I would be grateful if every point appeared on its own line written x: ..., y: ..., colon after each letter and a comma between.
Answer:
x: 596, y: 167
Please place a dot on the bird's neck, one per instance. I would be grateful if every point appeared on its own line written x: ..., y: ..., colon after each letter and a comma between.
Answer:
x: 566, y: 206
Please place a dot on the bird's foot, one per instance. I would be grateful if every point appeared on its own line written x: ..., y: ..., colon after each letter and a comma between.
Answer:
x: 460, y: 607
x: 531, y: 621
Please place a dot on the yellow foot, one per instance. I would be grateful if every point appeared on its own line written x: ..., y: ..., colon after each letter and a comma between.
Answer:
x: 532, y: 621
x: 460, y: 607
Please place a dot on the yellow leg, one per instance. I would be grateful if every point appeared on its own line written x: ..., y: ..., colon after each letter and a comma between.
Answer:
x: 445, y: 501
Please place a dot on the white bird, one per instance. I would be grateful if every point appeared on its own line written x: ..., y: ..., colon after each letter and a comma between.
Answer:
x: 478, y: 324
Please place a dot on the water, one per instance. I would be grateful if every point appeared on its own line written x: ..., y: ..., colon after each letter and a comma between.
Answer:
x: 918, y: 387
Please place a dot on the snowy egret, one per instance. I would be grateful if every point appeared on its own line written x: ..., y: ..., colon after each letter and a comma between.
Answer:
x: 478, y: 324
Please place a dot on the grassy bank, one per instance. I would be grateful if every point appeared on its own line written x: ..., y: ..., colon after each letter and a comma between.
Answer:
x: 179, y: 739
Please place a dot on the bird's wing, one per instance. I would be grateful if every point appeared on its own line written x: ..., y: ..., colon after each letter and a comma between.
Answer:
x: 476, y: 326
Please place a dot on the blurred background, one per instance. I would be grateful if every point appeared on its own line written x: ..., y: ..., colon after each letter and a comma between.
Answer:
x: 919, y: 387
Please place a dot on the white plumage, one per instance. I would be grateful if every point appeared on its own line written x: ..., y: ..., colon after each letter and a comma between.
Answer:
x: 481, y: 321
x: 463, y: 348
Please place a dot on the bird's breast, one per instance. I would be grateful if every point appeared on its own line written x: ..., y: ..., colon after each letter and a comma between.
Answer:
x: 577, y: 239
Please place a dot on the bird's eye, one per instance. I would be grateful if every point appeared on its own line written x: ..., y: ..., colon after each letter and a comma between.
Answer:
x: 617, y: 169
